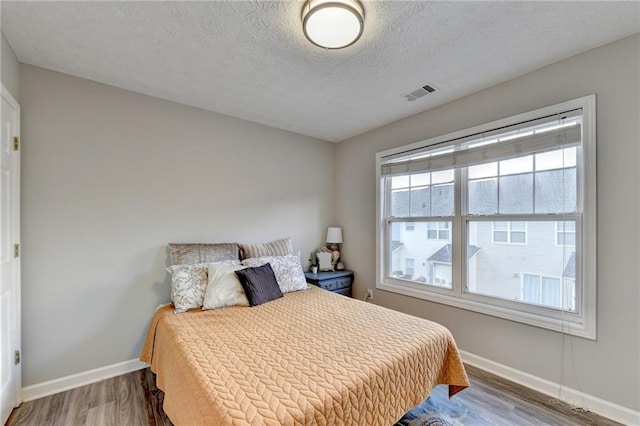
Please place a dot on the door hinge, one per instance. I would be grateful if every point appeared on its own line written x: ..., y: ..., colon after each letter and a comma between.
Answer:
x: 16, y: 250
x: 17, y: 357
x: 16, y: 143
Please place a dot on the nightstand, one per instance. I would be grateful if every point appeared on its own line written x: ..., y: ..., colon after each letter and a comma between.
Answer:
x: 338, y: 282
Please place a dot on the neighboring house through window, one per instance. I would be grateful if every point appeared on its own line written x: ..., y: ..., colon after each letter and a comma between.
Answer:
x: 438, y: 230
x: 408, y: 269
x: 565, y: 233
x: 510, y: 232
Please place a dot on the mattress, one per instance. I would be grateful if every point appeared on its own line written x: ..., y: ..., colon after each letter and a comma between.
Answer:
x: 309, y: 358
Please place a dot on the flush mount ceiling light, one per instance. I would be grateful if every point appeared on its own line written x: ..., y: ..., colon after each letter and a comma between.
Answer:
x: 332, y: 24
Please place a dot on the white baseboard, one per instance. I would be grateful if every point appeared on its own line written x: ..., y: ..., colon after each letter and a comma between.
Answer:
x: 574, y: 397
x: 40, y: 390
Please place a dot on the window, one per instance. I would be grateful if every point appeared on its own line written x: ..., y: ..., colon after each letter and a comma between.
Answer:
x: 438, y: 230
x: 510, y: 196
x: 409, y: 267
x: 409, y: 226
x: 548, y: 291
x: 510, y: 232
x: 566, y: 233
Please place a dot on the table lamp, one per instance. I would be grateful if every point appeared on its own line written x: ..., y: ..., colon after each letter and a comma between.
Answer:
x: 334, y: 237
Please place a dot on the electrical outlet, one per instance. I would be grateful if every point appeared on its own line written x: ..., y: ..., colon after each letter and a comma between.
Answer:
x: 369, y: 294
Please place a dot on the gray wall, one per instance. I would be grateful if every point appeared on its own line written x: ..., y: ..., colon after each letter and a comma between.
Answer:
x: 9, y: 68
x: 608, y: 368
x: 109, y: 177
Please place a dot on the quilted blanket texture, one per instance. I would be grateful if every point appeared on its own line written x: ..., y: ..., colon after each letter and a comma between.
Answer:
x: 309, y: 358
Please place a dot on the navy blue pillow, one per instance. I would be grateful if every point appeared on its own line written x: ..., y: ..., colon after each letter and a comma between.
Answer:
x: 259, y: 284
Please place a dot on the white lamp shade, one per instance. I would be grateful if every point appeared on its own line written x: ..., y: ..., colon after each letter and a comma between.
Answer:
x: 333, y: 24
x: 334, y: 235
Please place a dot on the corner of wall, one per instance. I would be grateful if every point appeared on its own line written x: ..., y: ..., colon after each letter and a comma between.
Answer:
x: 9, y: 68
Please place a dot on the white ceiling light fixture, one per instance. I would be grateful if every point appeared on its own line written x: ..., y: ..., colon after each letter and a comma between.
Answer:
x: 332, y: 24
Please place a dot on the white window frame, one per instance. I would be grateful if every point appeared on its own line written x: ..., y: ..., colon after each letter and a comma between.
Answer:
x: 508, y: 231
x: 581, y: 323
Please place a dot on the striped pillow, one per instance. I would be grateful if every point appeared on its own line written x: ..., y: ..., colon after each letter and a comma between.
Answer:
x: 281, y: 247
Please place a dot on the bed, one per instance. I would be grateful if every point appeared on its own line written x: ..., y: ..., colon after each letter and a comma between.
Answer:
x: 310, y: 357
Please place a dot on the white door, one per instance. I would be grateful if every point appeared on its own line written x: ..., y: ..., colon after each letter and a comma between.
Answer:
x: 10, y: 371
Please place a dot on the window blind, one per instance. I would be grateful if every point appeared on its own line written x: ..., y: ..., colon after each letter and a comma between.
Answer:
x: 533, y: 137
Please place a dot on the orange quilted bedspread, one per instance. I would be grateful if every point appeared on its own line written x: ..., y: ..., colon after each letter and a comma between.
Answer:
x: 310, y: 358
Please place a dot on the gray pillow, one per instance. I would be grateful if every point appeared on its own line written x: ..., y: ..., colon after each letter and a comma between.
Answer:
x: 187, y: 254
x: 259, y: 284
x: 281, y: 247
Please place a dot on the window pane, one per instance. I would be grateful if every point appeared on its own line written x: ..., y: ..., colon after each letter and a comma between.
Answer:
x: 567, y: 226
x: 516, y: 165
x: 501, y: 236
x: 399, y: 182
x: 483, y: 196
x: 516, y: 271
x: 421, y: 260
x: 483, y: 171
x: 566, y: 239
x: 501, y: 226
x: 420, y: 202
x: 444, y: 176
x: 557, y: 159
x: 442, y: 200
x: 566, y: 232
x: 420, y: 179
x: 519, y: 237
x: 518, y: 226
x: 400, y: 203
x: 409, y: 266
x: 556, y: 191
x: 570, y: 157
x: 531, y: 288
x: 516, y: 194
x: 551, y: 292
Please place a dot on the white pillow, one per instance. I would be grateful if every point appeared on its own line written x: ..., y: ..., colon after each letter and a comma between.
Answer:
x: 287, y: 269
x: 188, y: 284
x: 224, y: 288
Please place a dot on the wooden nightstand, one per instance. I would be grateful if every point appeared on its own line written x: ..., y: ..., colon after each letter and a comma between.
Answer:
x: 338, y: 282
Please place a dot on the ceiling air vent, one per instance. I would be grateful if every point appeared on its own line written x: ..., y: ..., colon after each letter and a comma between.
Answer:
x: 417, y: 94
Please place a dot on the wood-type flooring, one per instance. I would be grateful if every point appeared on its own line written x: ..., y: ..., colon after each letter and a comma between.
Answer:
x: 133, y: 399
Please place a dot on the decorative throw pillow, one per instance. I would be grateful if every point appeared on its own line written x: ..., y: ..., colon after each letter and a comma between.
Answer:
x: 287, y: 269
x: 224, y: 288
x: 274, y: 248
x: 187, y: 254
x: 259, y: 284
x: 188, y: 284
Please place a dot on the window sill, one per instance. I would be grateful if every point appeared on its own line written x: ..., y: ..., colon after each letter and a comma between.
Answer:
x: 567, y: 326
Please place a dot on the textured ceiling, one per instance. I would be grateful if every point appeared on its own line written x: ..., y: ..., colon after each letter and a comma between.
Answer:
x: 249, y: 59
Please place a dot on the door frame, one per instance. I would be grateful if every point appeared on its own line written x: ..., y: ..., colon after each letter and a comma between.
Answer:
x: 6, y: 95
